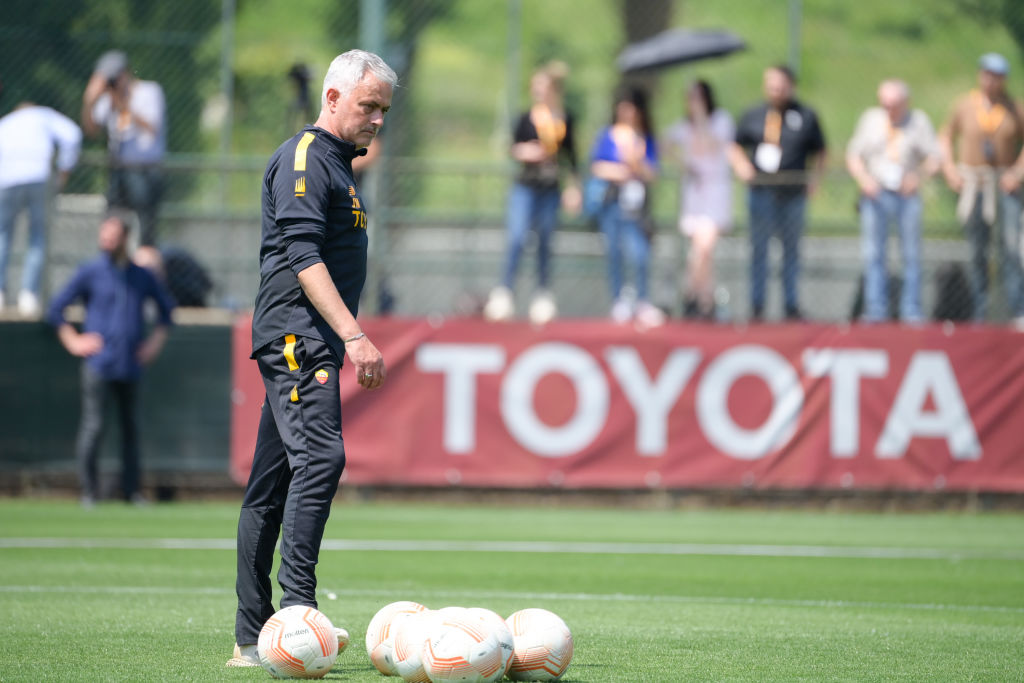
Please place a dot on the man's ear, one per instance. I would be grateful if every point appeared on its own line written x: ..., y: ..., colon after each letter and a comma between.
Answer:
x: 332, y: 97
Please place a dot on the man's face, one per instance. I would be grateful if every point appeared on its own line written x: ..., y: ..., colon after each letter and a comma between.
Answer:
x: 777, y: 88
x: 113, y: 236
x: 991, y: 84
x: 893, y: 101
x: 359, y: 115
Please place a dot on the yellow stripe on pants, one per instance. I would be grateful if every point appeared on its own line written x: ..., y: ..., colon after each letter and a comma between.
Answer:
x: 289, y: 351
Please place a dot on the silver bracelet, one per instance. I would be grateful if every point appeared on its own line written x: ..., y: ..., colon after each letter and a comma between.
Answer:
x: 352, y: 339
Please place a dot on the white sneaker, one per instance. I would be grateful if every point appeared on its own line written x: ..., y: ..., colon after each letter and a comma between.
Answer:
x: 543, y: 308
x: 622, y: 311
x: 500, y: 305
x: 649, y: 315
x: 244, y: 655
x: 28, y: 304
x: 342, y: 639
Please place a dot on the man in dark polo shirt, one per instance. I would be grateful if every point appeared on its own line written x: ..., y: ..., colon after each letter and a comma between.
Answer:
x: 312, y: 269
x: 775, y: 143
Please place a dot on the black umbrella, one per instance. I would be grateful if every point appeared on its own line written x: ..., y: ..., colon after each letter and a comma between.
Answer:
x: 677, y: 46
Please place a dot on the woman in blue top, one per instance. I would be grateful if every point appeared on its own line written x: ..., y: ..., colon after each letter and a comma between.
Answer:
x: 625, y: 158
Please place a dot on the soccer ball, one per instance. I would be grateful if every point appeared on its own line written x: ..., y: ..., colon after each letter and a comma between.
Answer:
x: 462, y: 648
x: 410, y: 635
x: 543, y: 645
x: 380, y: 633
x: 500, y: 629
x: 298, y: 642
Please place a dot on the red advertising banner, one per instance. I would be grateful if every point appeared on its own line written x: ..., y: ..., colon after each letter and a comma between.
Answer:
x: 590, y: 404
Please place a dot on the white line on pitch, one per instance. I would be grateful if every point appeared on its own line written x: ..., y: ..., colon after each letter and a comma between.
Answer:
x: 594, y: 548
x: 463, y: 595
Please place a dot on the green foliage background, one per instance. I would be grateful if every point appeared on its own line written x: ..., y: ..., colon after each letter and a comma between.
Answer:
x: 460, y: 65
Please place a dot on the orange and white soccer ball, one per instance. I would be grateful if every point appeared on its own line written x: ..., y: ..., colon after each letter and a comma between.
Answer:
x: 298, y: 642
x: 410, y: 635
x: 543, y: 645
x: 381, y: 632
x: 501, y: 631
x: 462, y: 648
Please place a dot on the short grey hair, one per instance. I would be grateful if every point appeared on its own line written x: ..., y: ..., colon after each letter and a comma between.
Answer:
x: 349, y: 68
x: 896, y: 86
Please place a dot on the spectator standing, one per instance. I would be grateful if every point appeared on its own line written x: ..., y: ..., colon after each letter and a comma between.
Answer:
x: 775, y: 143
x: 700, y: 143
x: 114, y: 346
x: 543, y: 143
x: 624, y: 163
x: 893, y: 150
x: 29, y: 137
x: 132, y: 113
x: 983, y: 162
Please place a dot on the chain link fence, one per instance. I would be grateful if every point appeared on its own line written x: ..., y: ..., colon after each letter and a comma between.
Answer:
x: 241, y: 76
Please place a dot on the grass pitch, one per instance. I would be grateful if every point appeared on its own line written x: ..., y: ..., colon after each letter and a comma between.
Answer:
x: 121, y: 593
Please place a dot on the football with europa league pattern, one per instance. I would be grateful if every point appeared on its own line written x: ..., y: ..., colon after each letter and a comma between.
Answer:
x: 298, y: 642
x: 380, y: 634
x: 543, y: 645
x: 462, y: 648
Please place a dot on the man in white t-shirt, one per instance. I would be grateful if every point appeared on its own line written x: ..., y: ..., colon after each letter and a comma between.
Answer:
x: 30, y: 136
x: 132, y: 113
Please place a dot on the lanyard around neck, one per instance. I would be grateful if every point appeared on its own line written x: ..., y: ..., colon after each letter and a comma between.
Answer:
x: 990, y: 117
x: 550, y: 130
x: 772, y: 126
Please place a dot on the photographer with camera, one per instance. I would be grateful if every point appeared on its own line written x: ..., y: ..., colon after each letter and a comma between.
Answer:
x: 132, y: 112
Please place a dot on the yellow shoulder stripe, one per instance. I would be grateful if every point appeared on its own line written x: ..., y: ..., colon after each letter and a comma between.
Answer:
x: 300, y: 151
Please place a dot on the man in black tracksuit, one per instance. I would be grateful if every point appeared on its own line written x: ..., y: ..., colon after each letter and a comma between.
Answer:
x: 312, y: 269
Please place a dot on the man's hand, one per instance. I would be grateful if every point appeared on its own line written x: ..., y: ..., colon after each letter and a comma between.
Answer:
x: 370, y: 372
x: 1009, y: 181
x: 911, y: 183
x: 953, y: 178
x: 97, y: 84
x: 869, y: 187
x: 85, y: 344
x: 151, y: 347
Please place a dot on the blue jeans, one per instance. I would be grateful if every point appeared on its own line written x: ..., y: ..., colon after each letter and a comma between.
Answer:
x: 14, y: 200
x: 621, y: 232
x: 875, y: 216
x: 530, y: 208
x: 1008, y: 225
x: 775, y: 211
x: 140, y: 189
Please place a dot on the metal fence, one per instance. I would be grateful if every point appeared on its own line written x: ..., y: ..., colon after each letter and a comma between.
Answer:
x: 241, y: 76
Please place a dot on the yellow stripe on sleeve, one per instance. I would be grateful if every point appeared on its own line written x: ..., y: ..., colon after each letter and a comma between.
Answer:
x: 295, y: 394
x: 289, y: 351
x: 300, y: 151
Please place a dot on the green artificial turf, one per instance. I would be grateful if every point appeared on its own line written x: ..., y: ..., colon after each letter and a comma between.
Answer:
x: 650, y: 595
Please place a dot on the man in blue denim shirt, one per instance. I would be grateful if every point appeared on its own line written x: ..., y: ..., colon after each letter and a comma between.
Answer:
x: 114, y: 345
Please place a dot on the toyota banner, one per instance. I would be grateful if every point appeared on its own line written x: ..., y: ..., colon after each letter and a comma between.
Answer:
x: 590, y: 404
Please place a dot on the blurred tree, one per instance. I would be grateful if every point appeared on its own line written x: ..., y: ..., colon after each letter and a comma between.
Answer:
x: 643, y: 19
x: 1009, y: 13
x: 404, y: 24
x: 48, y: 49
